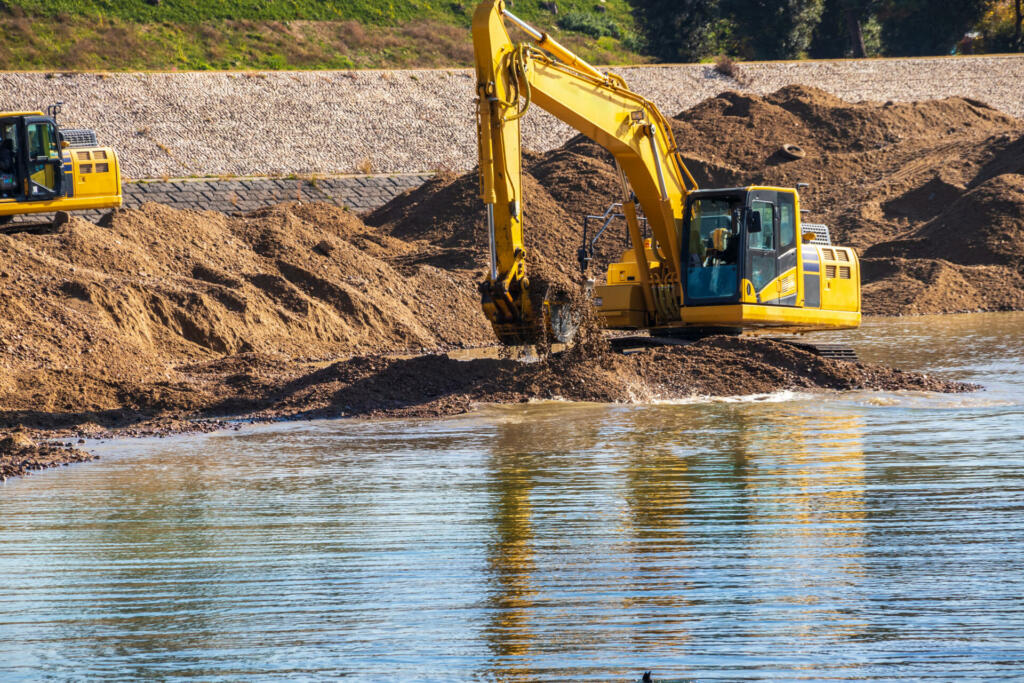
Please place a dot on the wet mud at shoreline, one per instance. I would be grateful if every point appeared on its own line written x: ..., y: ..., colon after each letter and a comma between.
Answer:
x: 21, y: 454
x: 258, y: 388
x: 437, y: 385
x: 156, y: 317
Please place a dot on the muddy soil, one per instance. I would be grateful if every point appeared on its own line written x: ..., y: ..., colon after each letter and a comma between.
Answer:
x: 717, y: 366
x: 156, y: 317
x: 930, y: 193
x: 21, y: 454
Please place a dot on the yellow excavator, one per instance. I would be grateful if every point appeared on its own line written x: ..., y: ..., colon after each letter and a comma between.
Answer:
x: 44, y: 169
x: 717, y: 260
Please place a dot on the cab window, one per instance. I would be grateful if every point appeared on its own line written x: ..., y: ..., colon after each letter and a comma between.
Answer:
x: 44, y: 166
x: 8, y: 147
x: 713, y: 249
x: 42, y: 141
x: 787, y: 221
x: 765, y: 239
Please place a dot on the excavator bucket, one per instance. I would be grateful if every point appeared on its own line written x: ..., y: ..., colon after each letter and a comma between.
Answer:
x: 558, y: 323
x: 563, y: 319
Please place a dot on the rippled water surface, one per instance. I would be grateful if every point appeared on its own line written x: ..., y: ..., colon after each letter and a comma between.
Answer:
x: 863, y: 536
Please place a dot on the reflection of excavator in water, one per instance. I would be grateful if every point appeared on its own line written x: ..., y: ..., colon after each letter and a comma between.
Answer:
x: 724, y: 260
x: 44, y: 169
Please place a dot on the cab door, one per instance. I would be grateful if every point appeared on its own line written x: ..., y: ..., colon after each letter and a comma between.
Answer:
x: 762, y: 246
x: 786, y: 215
x: 11, y: 159
x: 44, y: 174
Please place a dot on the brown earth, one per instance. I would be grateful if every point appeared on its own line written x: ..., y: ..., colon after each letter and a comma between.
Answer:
x: 20, y: 454
x: 928, y: 192
x: 931, y: 194
x: 717, y: 366
x: 157, y: 316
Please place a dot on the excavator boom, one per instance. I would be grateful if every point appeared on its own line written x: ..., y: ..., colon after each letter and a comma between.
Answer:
x: 731, y: 259
x: 510, y: 78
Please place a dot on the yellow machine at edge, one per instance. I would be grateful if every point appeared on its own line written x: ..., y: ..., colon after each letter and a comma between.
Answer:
x: 44, y: 169
x: 717, y: 260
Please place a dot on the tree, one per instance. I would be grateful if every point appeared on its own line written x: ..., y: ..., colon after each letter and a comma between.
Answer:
x: 841, y: 30
x: 774, y: 29
x: 927, y: 27
x: 679, y: 30
x: 1018, y: 19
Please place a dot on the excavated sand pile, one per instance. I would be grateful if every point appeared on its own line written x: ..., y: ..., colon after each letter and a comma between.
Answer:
x: 159, y: 311
x: 929, y: 192
x: 919, y: 189
x: 717, y: 366
x: 91, y: 311
x: 158, y: 314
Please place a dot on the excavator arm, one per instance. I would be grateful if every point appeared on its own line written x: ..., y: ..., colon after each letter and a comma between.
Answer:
x: 510, y: 78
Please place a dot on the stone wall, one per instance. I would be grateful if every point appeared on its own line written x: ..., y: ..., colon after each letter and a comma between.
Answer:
x: 360, y: 193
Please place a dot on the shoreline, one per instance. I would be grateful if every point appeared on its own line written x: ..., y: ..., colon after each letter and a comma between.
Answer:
x: 437, y: 385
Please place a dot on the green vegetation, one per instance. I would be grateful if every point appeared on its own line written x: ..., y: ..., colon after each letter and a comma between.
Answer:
x: 285, y: 34
x: 795, y: 29
x: 338, y: 34
x: 589, y: 23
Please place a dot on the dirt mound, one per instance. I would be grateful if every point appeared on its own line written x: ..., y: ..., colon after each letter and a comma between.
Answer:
x: 860, y: 158
x: 984, y: 226
x: 970, y: 257
x: 717, y: 366
x: 1007, y: 157
x: 91, y: 312
x: 899, y: 175
x: 899, y: 286
x: 20, y: 455
x: 446, y: 218
x: 925, y: 180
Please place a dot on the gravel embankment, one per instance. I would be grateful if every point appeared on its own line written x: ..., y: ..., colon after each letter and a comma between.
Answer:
x: 198, y: 124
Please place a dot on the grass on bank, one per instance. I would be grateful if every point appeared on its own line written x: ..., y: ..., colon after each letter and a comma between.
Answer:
x: 285, y: 34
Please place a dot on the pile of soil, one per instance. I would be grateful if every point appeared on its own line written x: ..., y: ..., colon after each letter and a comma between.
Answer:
x: 447, y: 214
x: 968, y: 257
x: 95, y: 316
x: 928, y: 192
x: 716, y: 366
x: 157, y: 316
x: 888, y: 178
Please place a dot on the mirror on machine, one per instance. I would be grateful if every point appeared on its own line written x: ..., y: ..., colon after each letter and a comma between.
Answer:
x: 753, y: 221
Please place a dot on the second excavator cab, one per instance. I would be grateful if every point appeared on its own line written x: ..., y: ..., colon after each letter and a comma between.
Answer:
x: 44, y: 169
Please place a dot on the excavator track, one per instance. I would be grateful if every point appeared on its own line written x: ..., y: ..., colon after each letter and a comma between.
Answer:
x: 632, y: 344
x: 825, y: 350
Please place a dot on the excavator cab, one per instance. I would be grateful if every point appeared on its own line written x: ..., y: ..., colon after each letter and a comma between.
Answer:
x: 738, y: 242
x: 748, y: 262
x: 30, y: 158
x: 44, y: 169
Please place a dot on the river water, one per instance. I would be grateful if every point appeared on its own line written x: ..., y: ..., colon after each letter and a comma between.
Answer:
x: 858, y: 536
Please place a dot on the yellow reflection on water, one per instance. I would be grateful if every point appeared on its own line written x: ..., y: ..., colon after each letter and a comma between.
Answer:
x: 808, y: 478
